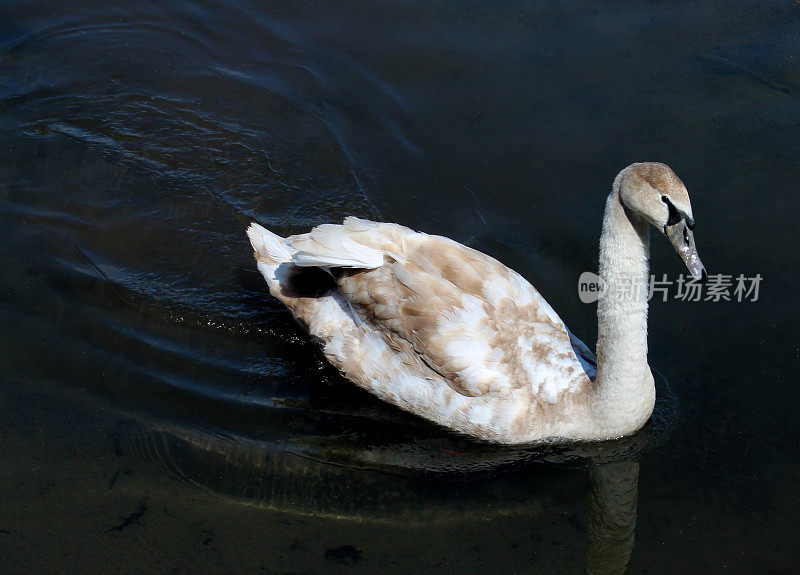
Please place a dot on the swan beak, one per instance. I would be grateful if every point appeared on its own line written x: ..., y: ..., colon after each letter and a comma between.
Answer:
x: 682, y: 239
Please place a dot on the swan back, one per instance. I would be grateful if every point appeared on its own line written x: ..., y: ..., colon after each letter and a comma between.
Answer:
x: 439, y: 329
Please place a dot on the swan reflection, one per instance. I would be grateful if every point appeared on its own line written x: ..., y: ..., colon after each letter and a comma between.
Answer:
x: 442, y: 482
x: 613, y: 493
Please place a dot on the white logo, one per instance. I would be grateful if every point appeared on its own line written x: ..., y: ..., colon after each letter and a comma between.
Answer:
x: 590, y: 287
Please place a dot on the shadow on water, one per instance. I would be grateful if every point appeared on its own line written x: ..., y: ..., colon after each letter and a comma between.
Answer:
x: 417, y: 477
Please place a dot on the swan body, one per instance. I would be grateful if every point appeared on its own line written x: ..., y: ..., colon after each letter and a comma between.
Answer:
x: 453, y: 335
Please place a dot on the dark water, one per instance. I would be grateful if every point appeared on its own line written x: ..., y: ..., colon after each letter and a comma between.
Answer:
x: 160, y: 413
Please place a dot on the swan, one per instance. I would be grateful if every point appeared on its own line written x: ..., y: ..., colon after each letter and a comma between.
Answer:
x: 451, y: 334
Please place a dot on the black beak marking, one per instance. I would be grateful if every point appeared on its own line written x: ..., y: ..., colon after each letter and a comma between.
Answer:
x: 676, y: 215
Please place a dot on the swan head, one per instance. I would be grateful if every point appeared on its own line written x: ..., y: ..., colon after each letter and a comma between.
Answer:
x: 654, y: 193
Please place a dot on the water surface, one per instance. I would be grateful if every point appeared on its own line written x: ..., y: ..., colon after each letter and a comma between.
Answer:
x: 160, y: 412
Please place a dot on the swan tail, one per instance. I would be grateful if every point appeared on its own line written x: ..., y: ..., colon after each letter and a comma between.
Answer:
x: 269, y: 248
x: 273, y: 259
x: 310, y: 293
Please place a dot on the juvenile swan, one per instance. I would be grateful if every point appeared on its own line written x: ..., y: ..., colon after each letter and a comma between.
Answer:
x: 451, y: 334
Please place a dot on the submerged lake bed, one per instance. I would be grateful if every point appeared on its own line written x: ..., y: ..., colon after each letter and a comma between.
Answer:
x: 160, y: 412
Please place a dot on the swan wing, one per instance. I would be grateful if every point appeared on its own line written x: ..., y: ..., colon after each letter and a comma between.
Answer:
x: 469, y: 318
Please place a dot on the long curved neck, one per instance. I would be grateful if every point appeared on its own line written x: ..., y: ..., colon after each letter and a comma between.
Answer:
x: 624, y: 393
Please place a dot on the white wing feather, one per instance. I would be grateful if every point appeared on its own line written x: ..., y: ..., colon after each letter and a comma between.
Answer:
x: 329, y: 246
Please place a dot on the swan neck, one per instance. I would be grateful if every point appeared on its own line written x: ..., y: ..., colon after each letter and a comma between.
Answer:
x: 624, y: 392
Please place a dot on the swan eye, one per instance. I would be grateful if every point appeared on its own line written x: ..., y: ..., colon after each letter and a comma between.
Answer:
x: 686, y: 236
x: 673, y: 215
